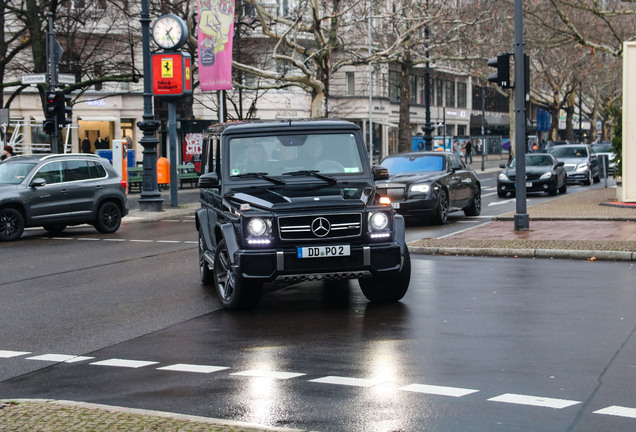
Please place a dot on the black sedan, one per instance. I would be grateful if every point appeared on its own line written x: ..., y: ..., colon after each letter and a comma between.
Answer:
x: 430, y: 185
x: 543, y: 174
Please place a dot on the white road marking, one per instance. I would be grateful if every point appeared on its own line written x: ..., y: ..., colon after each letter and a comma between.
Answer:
x: 355, y: 382
x: 141, y: 241
x: 488, y: 194
x: 619, y: 411
x: 268, y: 374
x: 124, y: 363
x: 88, y: 239
x: 169, y: 241
x: 496, y: 203
x: 9, y: 354
x: 181, y: 367
x: 534, y: 401
x: 438, y: 390
x: 115, y: 239
x: 60, y: 358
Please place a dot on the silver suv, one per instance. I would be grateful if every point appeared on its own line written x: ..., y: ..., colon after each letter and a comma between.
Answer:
x: 54, y: 191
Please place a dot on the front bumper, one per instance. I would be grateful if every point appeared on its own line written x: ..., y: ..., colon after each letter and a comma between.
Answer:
x: 537, y: 185
x: 578, y: 177
x: 283, y: 264
x: 416, y: 207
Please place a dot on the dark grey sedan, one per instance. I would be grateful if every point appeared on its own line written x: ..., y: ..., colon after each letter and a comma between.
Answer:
x: 543, y: 174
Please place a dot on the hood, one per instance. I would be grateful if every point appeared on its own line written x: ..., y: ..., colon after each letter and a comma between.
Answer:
x: 530, y: 170
x: 574, y: 160
x: 278, y: 197
x: 412, y: 177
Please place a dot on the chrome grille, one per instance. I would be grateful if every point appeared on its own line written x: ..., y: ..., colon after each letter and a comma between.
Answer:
x: 394, y: 193
x: 300, y: 227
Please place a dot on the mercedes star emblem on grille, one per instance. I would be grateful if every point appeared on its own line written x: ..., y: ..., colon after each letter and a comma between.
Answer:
x: 320, y: 227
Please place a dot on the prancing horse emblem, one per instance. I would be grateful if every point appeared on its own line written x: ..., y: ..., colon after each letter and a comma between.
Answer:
x: 320, y: 227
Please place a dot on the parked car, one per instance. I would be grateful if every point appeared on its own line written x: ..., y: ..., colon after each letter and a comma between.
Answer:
x: 581, y: 162
x: 54, y: 191
x: 430, y: 185
x: 544, y: 173
x: 606, y: 148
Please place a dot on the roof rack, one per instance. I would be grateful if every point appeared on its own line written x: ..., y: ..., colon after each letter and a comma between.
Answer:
x: 90, y: 155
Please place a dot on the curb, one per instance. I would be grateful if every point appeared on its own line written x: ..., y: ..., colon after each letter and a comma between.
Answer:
x: 589, y: 255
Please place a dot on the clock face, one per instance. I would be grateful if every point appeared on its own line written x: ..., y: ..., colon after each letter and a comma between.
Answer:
x: 169, y: 31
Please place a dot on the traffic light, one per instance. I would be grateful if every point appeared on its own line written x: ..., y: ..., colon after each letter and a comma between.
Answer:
x: 50, y: 110
x: 64, y: 109
x: 502, y: 76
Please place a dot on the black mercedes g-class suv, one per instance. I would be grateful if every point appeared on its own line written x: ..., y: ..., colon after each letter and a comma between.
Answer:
x: 294, y: 201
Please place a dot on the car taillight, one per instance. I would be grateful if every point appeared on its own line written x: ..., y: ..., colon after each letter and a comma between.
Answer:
x: 124, y: 184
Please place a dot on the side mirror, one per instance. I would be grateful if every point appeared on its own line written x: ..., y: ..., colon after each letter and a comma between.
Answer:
x: 38, y: 182
x: 209, y: 180
x: 380, y: 173
x: 502, y: 165
x: 560, y: 163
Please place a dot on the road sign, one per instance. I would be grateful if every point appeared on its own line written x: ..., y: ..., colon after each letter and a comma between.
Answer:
x: 34, y: 79
x: 66, y: 78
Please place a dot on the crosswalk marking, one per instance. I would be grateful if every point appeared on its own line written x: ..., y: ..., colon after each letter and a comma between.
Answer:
x: 181, y: 367
x: 438, y: 390
x: 269, y: 374
x: 60, y: 358
x: 9, y: 354
x: 354, y: 382
x: 534, y: 401
x: 619, y: 411
x: 124, y: 363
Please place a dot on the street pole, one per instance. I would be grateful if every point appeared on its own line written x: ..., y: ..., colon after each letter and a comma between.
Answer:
x: 52, y: 75
x: 483, y: 129
x: 521, y: 218
x: 370, y: 88
x: 428, y: 128
x: 172, y: 143
x: 150, y: 198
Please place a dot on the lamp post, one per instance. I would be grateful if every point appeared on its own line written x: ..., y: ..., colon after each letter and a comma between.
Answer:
x: 428, y: 128
x: 150, y: 198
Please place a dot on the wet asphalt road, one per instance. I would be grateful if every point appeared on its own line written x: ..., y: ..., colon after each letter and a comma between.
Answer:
x: 479, y: 344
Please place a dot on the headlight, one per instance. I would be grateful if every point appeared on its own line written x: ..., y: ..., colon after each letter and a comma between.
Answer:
x: 420, y: 188
x: 547, y: 175
x: 378, y: 221
x: 582, y: 167
x: 503, y: 177
x: 258, y: 226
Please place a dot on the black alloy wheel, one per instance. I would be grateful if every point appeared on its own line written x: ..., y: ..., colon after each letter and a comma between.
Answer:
x: 234, y: 293
x: 11, y: 224
x: 108, y: 218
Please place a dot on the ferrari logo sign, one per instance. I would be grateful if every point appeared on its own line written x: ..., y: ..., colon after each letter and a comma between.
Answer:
x: 171, y: 75
x: 166, y: 68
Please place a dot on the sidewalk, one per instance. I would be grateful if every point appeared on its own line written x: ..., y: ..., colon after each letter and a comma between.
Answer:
x: 586, y: 224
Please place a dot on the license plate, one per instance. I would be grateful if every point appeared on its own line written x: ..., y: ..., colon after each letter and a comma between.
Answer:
x: 323, y: 251
x: 395, y: 205
x: 529, y: 184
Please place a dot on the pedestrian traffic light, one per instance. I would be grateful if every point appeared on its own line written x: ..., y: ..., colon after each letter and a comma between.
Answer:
x: 502, y: 76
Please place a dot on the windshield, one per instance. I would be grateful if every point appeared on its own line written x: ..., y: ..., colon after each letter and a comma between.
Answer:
x: 14, y: 173
x: 282, y: 155
x: 413, y: 163
x: 535, y: 160
x: 603, y: 148
x: 569, y: 152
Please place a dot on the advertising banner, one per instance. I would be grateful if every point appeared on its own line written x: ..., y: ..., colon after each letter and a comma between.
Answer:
x: 214, y: 36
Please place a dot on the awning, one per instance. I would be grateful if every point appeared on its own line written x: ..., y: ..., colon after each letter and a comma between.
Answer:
x: 97, y: 118
x: 489, y: 120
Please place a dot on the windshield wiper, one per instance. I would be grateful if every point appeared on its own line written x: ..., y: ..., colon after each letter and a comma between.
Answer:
x: 261, y: 175
x: 314, y: 173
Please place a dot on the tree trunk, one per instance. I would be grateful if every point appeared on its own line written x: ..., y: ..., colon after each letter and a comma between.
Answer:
x: 405, y: 135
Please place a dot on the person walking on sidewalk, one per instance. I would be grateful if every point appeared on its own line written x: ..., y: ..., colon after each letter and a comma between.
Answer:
x: 468, y: 151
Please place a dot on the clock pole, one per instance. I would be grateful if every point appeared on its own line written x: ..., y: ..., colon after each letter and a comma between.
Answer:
x: 150, y: 199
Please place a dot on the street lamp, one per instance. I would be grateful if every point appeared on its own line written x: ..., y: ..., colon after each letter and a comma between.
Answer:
x: 150, y: 198
x: 428, y: 128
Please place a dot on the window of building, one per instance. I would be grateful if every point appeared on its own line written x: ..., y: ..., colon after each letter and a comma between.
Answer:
x: 439, y: 91
x: 350, y: 84
x: 413, y: 88
x: 461, y: 95
x: 461, y: 130
x: 450, y: 94
x: 422, y: 98
x: 394, y: 86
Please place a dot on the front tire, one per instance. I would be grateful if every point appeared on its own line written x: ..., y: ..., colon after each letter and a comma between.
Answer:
x: 388, y: 288
x: 108, y: 218
x: 234, y: 292
x: 205, y: 272
x: 563, y: 189
x: 442, y: 208
x: 474, y: 209
x: 11, y: 224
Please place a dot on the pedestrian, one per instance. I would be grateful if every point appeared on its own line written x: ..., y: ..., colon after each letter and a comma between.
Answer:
x: 86, y: 145
x: 7, y: 152
x: 468, y: 151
